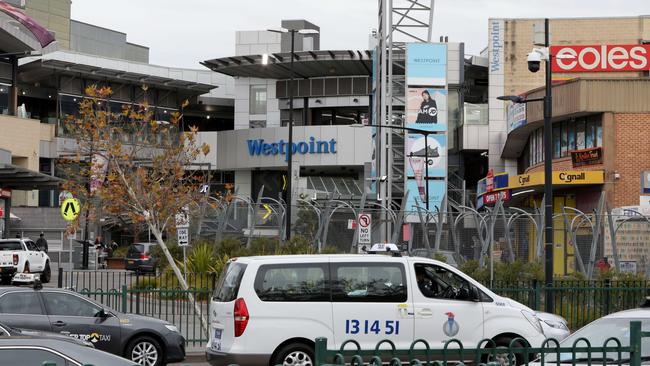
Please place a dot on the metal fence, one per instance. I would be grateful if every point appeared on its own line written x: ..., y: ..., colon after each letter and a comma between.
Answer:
x: 489, y: 235
x: 612, y: 351
x: 579, y: 302
x: 159, y: 296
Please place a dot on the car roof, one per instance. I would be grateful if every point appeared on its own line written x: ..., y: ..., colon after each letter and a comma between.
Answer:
x: 75, y: 351
x: 640, y: 313
x: 359, y: 257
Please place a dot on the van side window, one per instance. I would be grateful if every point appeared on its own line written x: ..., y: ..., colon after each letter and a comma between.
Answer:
x: 229, y: 282
x: 292, y: 282
x: 440, y: 283
x: 368, y: 282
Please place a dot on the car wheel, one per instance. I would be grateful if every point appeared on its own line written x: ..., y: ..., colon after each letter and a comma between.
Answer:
x: 502, y: 356
x: 295, y: 354
x: 145, y: 351
x: 46, y: 276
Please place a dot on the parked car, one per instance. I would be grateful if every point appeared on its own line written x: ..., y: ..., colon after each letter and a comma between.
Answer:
x: 616, y: 325
x: 36, y: 351
x: 365, y: 298
x: 145, y: 340
x: 23, y: 256
x: 140, y: 259
x: 7, y: 331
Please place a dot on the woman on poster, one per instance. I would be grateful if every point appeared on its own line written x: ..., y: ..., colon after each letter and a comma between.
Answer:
x: 428, y: 112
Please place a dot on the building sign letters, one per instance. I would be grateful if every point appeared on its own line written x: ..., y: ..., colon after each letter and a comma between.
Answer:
x: 313, y: 146
x: 601, y: 58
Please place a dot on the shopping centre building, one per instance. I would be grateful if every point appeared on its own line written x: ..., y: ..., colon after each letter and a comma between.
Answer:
x: 600, y: 120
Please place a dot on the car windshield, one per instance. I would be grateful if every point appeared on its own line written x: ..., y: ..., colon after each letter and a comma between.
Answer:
x: 10, y: 246
x: 598, y: 332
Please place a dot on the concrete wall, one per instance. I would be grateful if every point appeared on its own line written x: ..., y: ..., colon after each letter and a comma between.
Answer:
x: 257, y: 42
x: 23, y: 138
x: 94, y: 40
x: 53, y: 15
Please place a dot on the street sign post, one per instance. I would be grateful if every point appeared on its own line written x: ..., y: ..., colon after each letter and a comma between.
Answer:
x: 183, y: 236
x: 365, y: 226
x: 70, y: 209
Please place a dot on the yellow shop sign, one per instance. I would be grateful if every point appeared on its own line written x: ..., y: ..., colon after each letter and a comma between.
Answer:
x: 560, y: 177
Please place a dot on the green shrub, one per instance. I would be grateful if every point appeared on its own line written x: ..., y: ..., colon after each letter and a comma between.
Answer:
x: 120, y: 252
x: 231, y: 247
x: 145, y: 283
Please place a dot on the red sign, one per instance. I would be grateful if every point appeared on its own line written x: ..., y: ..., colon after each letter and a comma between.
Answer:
x: 5, y: 193
x: 601, y: 58
x: 590, y: 156
x: 489, y: 181
x: 491, y: 198
x: 2, y: 213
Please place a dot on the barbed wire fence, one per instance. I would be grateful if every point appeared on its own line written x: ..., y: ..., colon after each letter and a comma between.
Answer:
x: 458, y: 233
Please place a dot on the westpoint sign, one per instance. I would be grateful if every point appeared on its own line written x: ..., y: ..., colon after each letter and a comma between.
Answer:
x: 312, y: 146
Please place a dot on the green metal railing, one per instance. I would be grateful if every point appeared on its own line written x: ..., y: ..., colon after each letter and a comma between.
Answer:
x: 579, y: 302
x: 453, y: 353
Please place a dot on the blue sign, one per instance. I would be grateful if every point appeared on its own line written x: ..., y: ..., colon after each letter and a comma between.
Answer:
x: 417, y: 194
x: 426, y: 64
x: 259, y: 147
x: 426, y: 109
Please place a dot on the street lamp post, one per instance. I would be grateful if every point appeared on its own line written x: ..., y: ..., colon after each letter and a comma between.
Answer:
x: 426, y: 134
x: 289, y: 186
x: 545, y: 54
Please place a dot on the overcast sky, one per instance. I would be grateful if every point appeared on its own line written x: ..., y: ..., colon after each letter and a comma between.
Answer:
x: 182, y: 33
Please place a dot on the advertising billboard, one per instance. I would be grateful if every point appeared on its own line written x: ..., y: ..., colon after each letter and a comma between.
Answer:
x: 437, y: 154
x: 426, y: 109
x: 516, y: 116
x: 426, y: 64
x: 417, y: 196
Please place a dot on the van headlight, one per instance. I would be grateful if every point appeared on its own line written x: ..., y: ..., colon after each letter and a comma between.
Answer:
x: 556, y: 324
x: 533, y: 320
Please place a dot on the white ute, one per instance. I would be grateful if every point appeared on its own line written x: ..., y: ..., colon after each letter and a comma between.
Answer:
x: 23, y: 256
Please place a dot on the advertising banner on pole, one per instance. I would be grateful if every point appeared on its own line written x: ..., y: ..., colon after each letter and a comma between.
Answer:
x: 426, y: 64
x: 426, y: 109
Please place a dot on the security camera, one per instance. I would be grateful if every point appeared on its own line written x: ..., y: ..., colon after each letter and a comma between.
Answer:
x: 536, y: 57
x: 534, y: 60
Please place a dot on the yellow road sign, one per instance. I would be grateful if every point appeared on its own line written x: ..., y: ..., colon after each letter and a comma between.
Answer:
x: 284, y: 182
x: 70, y: 209
x: 268, y: 211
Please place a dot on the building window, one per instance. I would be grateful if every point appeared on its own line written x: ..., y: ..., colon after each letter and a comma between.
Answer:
x: 568, y: 136
x: 257, y: 99
x: 257, y: 124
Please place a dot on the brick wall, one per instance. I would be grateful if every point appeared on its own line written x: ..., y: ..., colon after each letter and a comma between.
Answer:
x: 632, y: 156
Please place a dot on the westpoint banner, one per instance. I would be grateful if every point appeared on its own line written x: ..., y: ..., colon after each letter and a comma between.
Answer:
x: 426, y: 109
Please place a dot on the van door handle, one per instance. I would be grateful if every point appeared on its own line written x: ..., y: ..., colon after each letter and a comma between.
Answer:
x: 425, y: 313
x: 59, y: 324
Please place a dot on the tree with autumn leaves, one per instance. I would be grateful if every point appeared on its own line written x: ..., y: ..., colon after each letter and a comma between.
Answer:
x: 133, y: 167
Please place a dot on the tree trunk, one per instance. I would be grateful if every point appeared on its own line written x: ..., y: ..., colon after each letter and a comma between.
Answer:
x: 179, y: 276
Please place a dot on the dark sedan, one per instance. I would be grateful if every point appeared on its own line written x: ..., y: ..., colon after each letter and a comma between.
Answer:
x: 37, y: 351
x: 139, y: 258
x: 147, y: 341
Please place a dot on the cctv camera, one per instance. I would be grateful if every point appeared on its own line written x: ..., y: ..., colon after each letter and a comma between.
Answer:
x: 534, y: 60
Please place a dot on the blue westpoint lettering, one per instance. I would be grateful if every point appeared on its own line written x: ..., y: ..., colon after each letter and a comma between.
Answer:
x: 313, y: 146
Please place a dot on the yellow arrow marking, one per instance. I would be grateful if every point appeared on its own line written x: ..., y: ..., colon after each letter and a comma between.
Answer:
x: 268, y: 211
x: 284, y: 182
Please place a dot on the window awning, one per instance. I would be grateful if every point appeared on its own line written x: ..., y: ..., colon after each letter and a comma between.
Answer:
x: 18, y: 178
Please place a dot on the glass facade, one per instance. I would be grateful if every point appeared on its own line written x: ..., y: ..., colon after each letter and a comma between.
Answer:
x: 568, y: 136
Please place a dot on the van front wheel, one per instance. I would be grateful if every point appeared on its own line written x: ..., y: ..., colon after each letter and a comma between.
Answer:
x: 295, y: 354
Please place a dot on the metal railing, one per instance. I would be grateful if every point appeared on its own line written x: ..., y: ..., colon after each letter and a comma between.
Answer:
x: 613, y: 351
x: 159, y: 296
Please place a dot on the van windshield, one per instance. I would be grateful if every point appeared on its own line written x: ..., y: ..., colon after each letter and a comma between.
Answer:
x: 229, y: 282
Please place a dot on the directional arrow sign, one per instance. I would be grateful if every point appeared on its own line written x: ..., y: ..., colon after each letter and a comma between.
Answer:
x: 284, y: 182
x: 268, y: 211
x: 70, y: 209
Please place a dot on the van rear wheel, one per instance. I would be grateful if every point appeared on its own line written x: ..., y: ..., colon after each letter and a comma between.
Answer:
x: 295, y: 354
x: 503, y: 357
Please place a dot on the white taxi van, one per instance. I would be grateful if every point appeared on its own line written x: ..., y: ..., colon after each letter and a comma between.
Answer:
x: 268, y: 310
